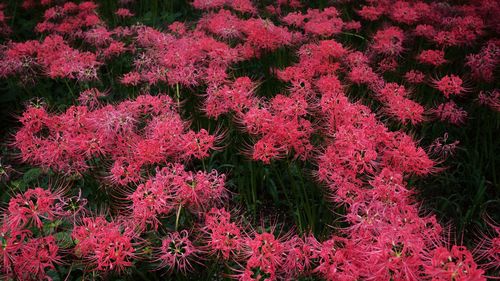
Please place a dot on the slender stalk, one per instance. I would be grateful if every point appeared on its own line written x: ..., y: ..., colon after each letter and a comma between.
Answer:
x: 177, y: 216
x: 178, y: 95
x: 355, y: 35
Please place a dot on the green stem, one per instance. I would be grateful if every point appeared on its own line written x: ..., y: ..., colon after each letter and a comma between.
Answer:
x: 69, y: 88
x: 178, y: 95
x: 69, y: 272
x: 355, y: 35
x: 177, y: 216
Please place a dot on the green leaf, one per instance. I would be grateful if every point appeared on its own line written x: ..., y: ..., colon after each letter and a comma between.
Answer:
x: 31, y: 175
x: 64, y: 239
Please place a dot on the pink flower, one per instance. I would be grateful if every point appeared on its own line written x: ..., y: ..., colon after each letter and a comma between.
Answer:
x: 404, y: 12
x: 104, y: 245
x: 223, y: 238
x: 12, y: 241
x: 449, y: 85
x: 36, y: 257
x: 31, y: 207
x: 415, y: 76
x: 489, y: 246
x: 433, y: 57
x: 124, y: 13
x: 483, y: 64
x: 371, y: 13
x: 388, y: 41
x: 456, y: 263
x: 91, y: 98
x: 490, y: 99
x: 198, y: 191
x: 450, y: 112
x: 177, y: 252
x: 131, y: 78
x: 441, y: 146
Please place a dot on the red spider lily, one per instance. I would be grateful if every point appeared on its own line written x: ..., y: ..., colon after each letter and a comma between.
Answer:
x: 319, y: 117
x: 490, y: 99
x: 36, y: 257
x: 408, y: 13
x: 188, y: 60
x: 370, y: 12
x: 177, y: 252
x: 263, y: 253
x: 104, y: 245
x: 415, y: 77
x: 333, y: 261
x: 31, y: 208
x: 450, y: 112
x: 173, y: 187
x: 281, y: 131
x: 388, y: 41
x: 223, y: 238
x: 90, y: 98
x: 433, y: 57
x: 66, y: 142
x: 488, y: 248
x: 208, y: 4
x: 255, y: 270
x: 70, y: 207
x: 12, y: 240
x: 456, y: 263
x: 388, y: 64
x: 150, y: 200
x: 263, y: 34
x: 223, y: 24
x: 397, y: 105
x: 442, y: 147
x: 124, y: 13
x: 131, y: 78
x: 323, y: 23
x: 449, y: 85
x: 69, y: 18
x: 198, y: 191
x: 237, y: 97
x: 55, y: 58
x: 425, y: 30
x: 483, y: 64
x: 298, y: 256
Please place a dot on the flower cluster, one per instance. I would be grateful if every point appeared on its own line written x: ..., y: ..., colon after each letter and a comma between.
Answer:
x: 134, y: 133
x: 346, y: 104
x: 173, y: 188
x: 52, y: 57
x: 27, y: 251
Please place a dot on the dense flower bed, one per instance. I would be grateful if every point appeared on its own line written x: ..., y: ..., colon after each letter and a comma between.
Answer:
x: 167, y: 210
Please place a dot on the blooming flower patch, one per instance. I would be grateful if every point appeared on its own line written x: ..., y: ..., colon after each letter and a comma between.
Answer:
x: 249, y: 140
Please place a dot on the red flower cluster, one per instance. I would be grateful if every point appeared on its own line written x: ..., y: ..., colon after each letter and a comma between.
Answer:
x: 323, y: 116
x: 134, y: 133
x: 52, y: 57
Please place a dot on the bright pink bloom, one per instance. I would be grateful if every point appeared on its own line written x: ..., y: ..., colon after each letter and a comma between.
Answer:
x: 450, y: 112
x: 449, y: 85
x: 415, y: 76
x: 36, y: 257
x: 177, y: 252
x: 433, y: 57
x: 490, y: 99
x: 31, y: 208
x: 223, y: 237
x: 104, y: 245
x: 388, y: 41
x: 124, y: 13
x: 456, y: 263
